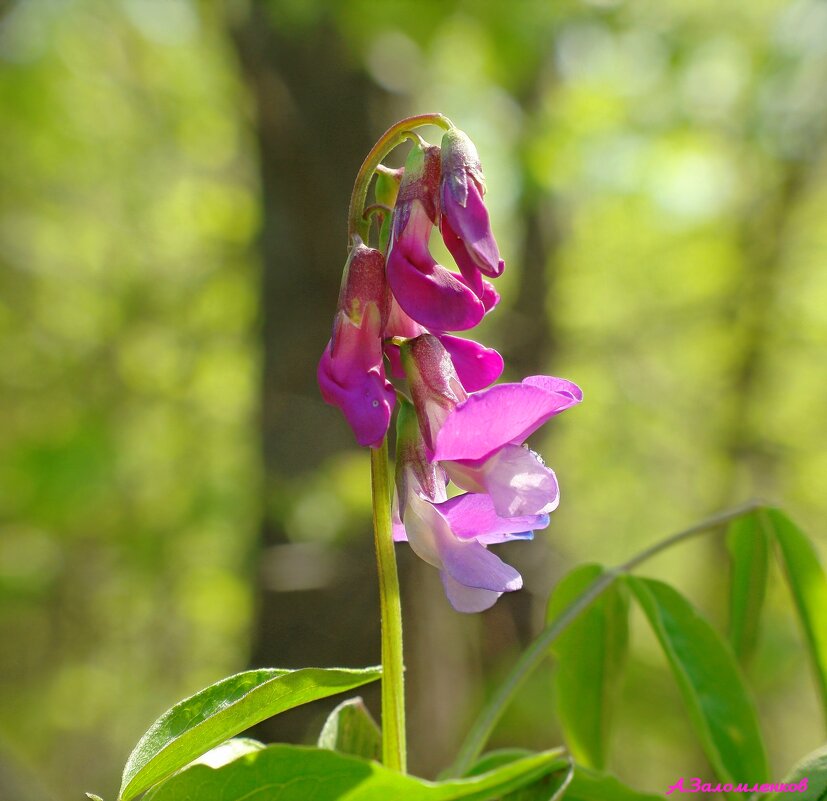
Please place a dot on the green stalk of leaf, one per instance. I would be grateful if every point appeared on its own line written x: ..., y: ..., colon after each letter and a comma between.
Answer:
x: 710, y: 681
x: 589, y: 656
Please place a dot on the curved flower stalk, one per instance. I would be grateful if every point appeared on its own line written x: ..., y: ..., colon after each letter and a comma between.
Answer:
x: 453, y: 534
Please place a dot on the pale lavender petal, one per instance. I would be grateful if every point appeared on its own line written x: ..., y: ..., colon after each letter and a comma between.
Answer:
x: 503, y: 414
x: 519, y: 483
x: 474, y: 565
x: 476, y: 365
x: 467, y: 599
x: 472, y: 516
x: 427, y: 530
x: 466, y: 475
x: 397, y: 528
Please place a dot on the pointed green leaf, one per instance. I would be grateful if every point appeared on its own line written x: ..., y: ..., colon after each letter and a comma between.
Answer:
x: 808, y: 585
x: 748, y: 546
x: 589, y: 785
x: 812, y: 770
x: 710, y: 681
x: 225, y: 753
x: 550, y: 787
x: 296, y: 773
x: 222, y: 710
x: 585, y: 784
x: 350, y: 729
x: 217, y: 757
x: 589, y: 656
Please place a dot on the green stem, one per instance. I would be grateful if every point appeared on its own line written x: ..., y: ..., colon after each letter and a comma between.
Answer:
x: 393, y: 677
x: 394, y: 136
x: 534, y: 655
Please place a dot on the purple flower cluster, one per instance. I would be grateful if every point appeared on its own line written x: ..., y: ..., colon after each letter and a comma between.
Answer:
x: 457, y: 428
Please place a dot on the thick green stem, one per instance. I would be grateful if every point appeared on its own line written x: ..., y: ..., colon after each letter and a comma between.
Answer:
x: 394, y: 136
x: 534, y: 655
x: 393, y: 677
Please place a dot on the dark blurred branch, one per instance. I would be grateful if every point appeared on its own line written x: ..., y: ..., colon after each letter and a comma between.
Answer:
x: 313, y: 126
x: 764, y: 241
x: 531, y: 338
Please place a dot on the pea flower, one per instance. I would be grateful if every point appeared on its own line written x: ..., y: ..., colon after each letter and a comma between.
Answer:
x: 478, y: 438
x: 427, y: 292
x: 453, y: 534
x: 477, y: 366
x: 351, y: 372
x: 464, y: 222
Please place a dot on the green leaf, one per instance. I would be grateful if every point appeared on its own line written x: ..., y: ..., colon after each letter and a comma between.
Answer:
x: 709, y: 679
x: 217, y: 757
x: 550, y: 787
x: 808, y: 585
x: 227, y: 752
x: 749, y: 549
x: 589, y: 656
x: 350, y: 729
x: 296, y: 773
x: 813, y: 768
x: 224, y: 709
x: 497, y: 758
x: 589, y: 785
x: 584, y: 785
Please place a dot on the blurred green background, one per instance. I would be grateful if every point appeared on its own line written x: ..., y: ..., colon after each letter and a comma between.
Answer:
x: 177, y: 503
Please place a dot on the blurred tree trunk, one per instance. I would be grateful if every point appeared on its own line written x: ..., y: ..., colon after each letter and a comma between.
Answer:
x: 314, y: 123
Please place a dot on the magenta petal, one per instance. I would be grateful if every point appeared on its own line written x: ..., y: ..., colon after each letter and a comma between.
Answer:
x: 430, y: 294
x: 477, y: 366
x: 472, y: 516
x: 467, y: 267
x: 490, y: 297
x: 487, y: 420
x: 394, y: 360
x: 365, y: 399
x: 471, y: 224
x: 552, y: 384
x: 467, y: 599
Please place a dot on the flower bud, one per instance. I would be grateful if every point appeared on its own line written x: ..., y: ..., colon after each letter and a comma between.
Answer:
x: 431, y: 295
x: 435, y: 386
x: 351, y: 372
x: 465, y: 226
